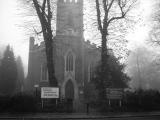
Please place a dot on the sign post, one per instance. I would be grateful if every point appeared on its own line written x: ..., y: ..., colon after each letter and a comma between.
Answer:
x: 49, y: 93
x: 114, y: 94
x: 42, y: 103
x: 109, y: 102
x: 120, y: 103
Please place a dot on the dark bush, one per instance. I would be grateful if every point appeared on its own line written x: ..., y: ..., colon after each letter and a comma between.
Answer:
x: 4, y: 103
x: 23, y: 103
x: 142, y: 101
x: 18, y: 103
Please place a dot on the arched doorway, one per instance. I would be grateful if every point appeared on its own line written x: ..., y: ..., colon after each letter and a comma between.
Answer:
x: 69, y: 95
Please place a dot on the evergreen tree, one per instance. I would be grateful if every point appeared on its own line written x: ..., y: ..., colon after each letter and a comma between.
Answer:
x: 118, y: 79
x: 20, y: 75
x: 8, y: 72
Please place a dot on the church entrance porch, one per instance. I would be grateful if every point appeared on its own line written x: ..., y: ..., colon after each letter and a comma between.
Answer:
x: 69, y: 95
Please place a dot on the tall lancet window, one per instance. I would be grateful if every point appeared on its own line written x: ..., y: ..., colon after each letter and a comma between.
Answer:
x: 44, y: 72
x: 69, y: 62
x: 90, y: 72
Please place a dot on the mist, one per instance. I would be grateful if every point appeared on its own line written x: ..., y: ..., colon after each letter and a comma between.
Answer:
x: 143, y: 67
x: 2, y: 49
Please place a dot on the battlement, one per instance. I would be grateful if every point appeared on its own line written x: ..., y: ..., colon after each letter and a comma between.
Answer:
x: 70, y: 1
x: 93, y: 46
x: 90, y: 45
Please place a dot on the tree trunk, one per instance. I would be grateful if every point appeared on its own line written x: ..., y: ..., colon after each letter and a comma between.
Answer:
x: 104, y: 51
x: 45, y: 21
x: 50, y: 61
x: 104, y: 68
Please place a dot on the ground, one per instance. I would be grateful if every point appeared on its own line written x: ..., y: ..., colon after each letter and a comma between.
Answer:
x: 73, y: 116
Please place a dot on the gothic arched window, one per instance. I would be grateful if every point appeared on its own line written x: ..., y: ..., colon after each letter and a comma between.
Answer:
x: 44, y: 72
x: 90, y: 72
x: 69, y: 62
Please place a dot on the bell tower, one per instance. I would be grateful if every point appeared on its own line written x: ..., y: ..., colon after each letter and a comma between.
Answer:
x: 70, y: 17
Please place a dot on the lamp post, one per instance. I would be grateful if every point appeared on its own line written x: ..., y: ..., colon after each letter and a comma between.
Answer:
x: 36, y: 86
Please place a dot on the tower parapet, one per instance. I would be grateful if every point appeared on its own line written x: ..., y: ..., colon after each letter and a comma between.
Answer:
x: 70, y: 1
x: 70, y: 17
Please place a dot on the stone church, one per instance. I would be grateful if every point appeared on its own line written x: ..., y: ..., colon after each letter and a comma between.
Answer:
x: 75, y: 58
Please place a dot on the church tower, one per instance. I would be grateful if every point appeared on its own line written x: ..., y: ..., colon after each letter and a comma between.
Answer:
x: 69, y: 50
x: 70, y: 17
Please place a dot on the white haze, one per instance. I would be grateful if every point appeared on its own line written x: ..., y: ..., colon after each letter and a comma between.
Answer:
x: 12, y: 33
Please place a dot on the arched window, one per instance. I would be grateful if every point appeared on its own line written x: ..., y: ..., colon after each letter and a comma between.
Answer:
x: 44, y: 72
x: 90, y: 72
x: 69, y: 62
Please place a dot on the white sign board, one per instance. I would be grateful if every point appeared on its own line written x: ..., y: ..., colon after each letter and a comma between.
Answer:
x: 49, y: 92
x: 114, y: 93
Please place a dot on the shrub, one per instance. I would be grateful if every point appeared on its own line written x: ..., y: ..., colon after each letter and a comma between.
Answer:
x: 142, y: 100
x: 23, y: 103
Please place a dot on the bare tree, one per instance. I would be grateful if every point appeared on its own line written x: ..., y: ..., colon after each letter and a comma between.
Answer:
x: 155, y: 31
x: 44, y: 13
x: 108, y: 14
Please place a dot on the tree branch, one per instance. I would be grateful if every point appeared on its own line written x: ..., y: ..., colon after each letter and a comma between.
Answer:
x: 105, y: 5
x: 110, y: 5
x: 49, y: 12
x: 99, y: 16
x: 39, y: 13
x: 105, y: 23
x: 41, y: 17
x: 115, y: 18
x: 36, y: 31
x: 43, y: 6
x: 123, y: 13
x: 130, y: 6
